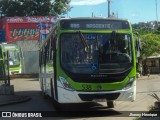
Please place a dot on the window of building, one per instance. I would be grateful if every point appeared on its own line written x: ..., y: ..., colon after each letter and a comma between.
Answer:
x: 153, y: 63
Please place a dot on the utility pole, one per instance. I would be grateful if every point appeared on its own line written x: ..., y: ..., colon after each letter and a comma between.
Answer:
x: 92, y: 14
x: 109, y: 1
x: 156, y: 12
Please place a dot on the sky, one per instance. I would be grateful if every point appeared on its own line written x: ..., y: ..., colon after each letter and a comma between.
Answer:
x: 133, y: 10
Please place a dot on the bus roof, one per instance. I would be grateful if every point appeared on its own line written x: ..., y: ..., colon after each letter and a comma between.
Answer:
x: 94, y: 18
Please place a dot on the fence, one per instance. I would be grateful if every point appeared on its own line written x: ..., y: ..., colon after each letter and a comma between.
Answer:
x: 5, y: 88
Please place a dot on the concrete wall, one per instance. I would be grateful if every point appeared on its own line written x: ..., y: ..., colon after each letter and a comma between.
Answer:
x: 31, y: 62
x: 31, y: 55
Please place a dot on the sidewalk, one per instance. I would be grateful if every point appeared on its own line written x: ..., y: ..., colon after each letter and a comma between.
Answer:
x: 152, y: 76
x: 13, y: 99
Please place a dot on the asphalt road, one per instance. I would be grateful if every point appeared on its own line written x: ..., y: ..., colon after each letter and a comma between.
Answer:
x: 95, y: 111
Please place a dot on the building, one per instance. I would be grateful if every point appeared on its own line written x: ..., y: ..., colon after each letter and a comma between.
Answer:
x: 153, y: 62
x: 151, y: 25
x: 28, y: 34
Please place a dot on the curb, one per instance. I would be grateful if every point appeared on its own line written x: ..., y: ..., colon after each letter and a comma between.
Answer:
x: 13, y: 99
x: 148, y: 78
x: 24, y: 76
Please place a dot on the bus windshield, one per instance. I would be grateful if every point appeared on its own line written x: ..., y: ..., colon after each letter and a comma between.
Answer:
x: 105, y: 53
x: 14, y: 57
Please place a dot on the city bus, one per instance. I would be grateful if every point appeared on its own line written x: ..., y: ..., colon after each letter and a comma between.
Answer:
x: 15, y: 57
x: 89, y: 59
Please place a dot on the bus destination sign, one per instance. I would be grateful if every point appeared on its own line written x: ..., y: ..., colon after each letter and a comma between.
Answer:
x: 94, y: 24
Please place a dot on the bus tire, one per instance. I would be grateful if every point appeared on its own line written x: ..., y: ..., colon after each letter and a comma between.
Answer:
x: 110, y: 104
x: 56, y: 105
x: 43, y: 92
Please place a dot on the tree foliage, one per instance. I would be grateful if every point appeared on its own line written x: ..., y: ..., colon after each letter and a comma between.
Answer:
x: 11, y: 8
x: 151, y: 45
x: 36, y: 7
x: 150, y: 39
x: 58, y: 4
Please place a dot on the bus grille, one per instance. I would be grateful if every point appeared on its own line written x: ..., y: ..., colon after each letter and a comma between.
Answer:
x: 90, y: 97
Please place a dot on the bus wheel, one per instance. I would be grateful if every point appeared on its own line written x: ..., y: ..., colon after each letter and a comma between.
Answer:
x: 44, y: 95
x: 43, y: 92
x: 56, y: 105
x: 110, y: 104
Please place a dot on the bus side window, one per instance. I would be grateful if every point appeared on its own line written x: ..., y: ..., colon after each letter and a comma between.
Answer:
x: 0, y: 53
x: 46, y: 54
x: 49, y: 51
x: 52, y: 50
x: 43, y: 55
x: 21, y: 53
x: 40, y: 58
x: 5, y: 56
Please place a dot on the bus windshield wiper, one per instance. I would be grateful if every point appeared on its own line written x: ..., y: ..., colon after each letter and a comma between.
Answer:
x: 83, y: 40
x: 112, y: 43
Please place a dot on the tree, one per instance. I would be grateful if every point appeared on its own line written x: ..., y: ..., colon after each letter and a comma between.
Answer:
x: 58, y: 4
x: 36, y: 7
x: 150, y: 41
x: 33, y: 7
x: 7, y: 7
x: 151, y: 45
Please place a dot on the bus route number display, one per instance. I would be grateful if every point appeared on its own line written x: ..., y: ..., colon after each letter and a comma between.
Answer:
x: 91, y: 26
x: 94, y: 24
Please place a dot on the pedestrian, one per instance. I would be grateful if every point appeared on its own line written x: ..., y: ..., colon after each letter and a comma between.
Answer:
x: 148, y: 71
x: 140, y: 70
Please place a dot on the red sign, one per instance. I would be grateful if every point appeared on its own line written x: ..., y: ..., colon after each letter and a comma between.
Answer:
x: 28, y: 28
x: 22, y: 31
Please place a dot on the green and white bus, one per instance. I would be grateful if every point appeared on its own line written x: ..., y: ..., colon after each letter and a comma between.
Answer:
x: 15, y: 57
x: 89, y: 59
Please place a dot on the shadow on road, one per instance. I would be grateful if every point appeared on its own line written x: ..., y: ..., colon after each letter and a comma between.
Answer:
x: 69, y: 111
x: 74, y: 110
x: 81, y: 110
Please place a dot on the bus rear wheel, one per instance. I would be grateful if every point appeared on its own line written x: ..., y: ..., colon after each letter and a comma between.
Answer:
x: 110, y: 104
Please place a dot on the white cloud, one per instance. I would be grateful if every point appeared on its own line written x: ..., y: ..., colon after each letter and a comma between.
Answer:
x: 87, y: 2
x: 135, y: 15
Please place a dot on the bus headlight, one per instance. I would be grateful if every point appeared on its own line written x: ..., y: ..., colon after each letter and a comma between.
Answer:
x: 129, y: 83
x: 65, y: 84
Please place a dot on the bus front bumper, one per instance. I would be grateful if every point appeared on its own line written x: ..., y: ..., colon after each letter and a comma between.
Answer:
x: 67, y: 96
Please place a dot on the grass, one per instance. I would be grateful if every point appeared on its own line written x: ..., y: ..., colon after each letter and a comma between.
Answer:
x: 152, y: 109
x: 155, y: 96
